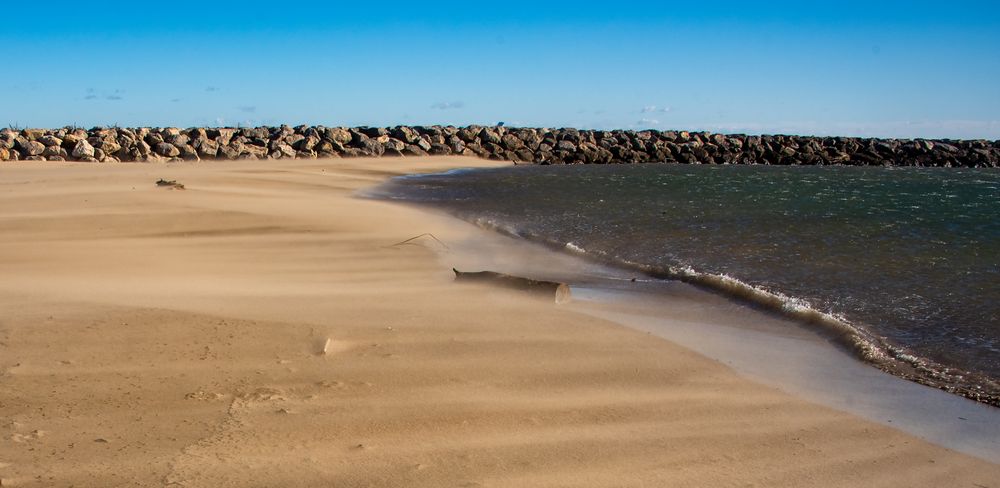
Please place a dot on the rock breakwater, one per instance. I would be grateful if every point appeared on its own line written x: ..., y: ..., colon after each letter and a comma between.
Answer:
x: 527, y: 145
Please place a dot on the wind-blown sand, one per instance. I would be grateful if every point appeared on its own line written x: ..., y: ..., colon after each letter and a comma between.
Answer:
x: 154, y: 337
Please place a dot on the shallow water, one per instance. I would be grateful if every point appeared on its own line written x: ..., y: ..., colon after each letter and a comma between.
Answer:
x: 902, y: 264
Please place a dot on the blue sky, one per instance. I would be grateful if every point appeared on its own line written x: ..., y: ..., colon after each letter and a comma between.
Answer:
x: 901, y: 69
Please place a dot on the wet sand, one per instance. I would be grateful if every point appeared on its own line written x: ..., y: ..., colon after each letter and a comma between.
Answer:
x: 259, y: 328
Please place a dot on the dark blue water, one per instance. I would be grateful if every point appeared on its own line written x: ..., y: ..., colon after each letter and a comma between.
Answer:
x: 900, y: 264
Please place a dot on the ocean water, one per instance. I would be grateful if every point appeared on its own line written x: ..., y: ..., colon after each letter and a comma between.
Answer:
x: 899, y: 265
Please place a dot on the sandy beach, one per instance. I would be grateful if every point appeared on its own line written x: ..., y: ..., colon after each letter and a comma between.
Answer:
x: 259, y: 328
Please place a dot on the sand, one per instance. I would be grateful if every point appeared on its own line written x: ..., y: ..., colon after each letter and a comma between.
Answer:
x: 259, y: 329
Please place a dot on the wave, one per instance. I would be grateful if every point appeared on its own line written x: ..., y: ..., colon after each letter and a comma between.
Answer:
x: 856, y: 338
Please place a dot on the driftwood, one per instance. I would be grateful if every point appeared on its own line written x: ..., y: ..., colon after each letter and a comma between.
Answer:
x: 560, y: 291
x: 170, y: 184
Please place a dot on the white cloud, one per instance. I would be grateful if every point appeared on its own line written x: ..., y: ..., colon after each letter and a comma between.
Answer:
x: 447, y: 105
x: 649, y: 109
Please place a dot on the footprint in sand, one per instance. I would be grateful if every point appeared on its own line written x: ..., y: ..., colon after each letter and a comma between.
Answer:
x: 22, y: 438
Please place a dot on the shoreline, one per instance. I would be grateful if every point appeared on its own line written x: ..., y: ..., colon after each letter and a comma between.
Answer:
x: 857, y: 339
x: 260, y: 328
x: 764, y: 347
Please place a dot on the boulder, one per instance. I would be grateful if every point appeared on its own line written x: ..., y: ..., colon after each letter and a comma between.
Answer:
x: 221, y: 136
x: 187, y: 152
x: 178, y: 139
x: 154, y: 139
x: 405, y: 134
x: 206, y: 148
x: 373, y: 132
x: 227, y: 153
x: 413, y: 150
x: 31, y: 148
x: 339, y: 135
x: 566, y: 145
x: 83, y: 149
x: 489, y: 135
x: 52, y: 151
x: 286, y: 151
x: 392, y: 144
x: 510, y: 141
x: 108, y: 143
x: 423, y: 144
x: 307, y: 143
x: 166, y: 150
x: 292, y: 139
x: 467, y: 134
x: 50, y: 140
x: 440, y: 149
x: 33, y: 134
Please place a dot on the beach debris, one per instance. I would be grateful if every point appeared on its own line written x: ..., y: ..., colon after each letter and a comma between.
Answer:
x: 411, y: 240
x: 171, y: 184
x: 101, y: 440
x: 326, y: 347
x: 560, y: 291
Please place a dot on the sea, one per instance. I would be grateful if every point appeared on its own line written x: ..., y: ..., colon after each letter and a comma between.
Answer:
x: 899, y: 266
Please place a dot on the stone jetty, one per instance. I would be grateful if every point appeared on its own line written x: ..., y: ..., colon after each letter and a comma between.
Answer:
x: 521, y: 145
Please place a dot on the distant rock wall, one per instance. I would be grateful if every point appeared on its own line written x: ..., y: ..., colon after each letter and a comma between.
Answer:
x: 528, y: 145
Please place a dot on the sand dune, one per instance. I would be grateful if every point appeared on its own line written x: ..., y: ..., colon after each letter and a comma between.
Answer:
x: 157, y: 337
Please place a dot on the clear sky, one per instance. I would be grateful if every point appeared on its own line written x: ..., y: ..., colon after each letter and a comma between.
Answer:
x: 902, y: 69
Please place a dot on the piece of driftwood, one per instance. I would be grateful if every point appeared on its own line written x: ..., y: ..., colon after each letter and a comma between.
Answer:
x: 560, y: 291
x: 170, y: 184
